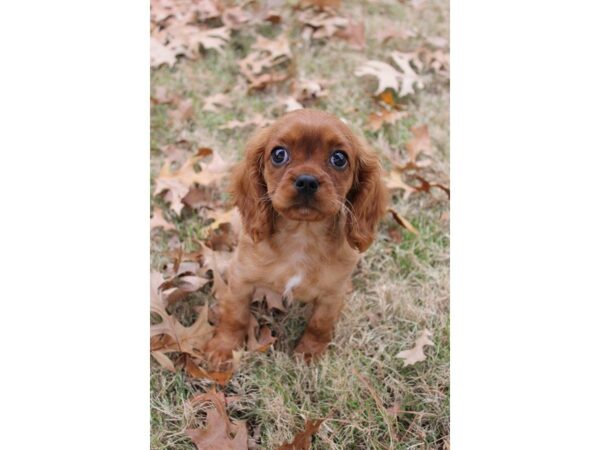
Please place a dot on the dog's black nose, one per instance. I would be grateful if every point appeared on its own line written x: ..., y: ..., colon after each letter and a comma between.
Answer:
x: 306, y: 184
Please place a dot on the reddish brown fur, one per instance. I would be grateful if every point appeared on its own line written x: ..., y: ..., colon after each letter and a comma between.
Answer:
x: 307, y: 250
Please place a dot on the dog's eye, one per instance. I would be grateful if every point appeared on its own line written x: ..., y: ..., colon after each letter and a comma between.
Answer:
x: 279, y: 156
x: 339, y: 159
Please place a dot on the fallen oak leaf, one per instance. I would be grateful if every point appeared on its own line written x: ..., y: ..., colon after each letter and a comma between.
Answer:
x: 266, y: 55
x: 302, y: 440
x: 403, y: 222
x: 200, y: 197
x: 190, y: 38
x: 306, y: 90
x: 291, y: 104
x: 162, y: 96
x: 403, y: 81
x: 183, y: 112
x: 272, y: 298
x: 219, y: 429
x: 262, y: 81
x: 393, y: 180
x: 161, y: 54
x: 322, y: 25
x: 377, y: 119
x: 388, y: 97
x: 416, y: 354
x: 410, y: 78
x: 229, y: 216
x: 385, y: 34
x: 212, y: 102
x: 178, y: 183
x: 387, y: 76
x: 258, y: 120
x: 184, y: 339
x: 264, y: 340
x: 321, y: 3
x: 420, y: 142
x: 235, y: 17
x: 426, y: 186
x: 158, y: 221
x: 354, y: 34
x: 163, y: 360
x: 195, y: 371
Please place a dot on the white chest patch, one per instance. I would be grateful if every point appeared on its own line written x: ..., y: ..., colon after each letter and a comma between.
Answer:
x: 291, y: 284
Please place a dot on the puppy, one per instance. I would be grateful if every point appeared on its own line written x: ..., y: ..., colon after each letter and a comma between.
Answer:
x: 310, y: 196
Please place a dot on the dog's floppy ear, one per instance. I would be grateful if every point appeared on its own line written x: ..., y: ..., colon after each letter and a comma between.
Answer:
x: 368, y: 199
x: 249, y: 189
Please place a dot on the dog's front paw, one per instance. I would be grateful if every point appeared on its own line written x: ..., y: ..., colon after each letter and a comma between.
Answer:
x: 310, y: 347
x: 219, y: 350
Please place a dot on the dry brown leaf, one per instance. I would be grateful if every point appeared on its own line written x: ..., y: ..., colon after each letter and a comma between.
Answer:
x: 194, y: 370
x: 175, y: 29
x: 302, y: 440
x: 403, y: 81
x: 410, y: 78
x: 416, y: 354
x: 394, y: 180
x: 176, y: 12
x: 426, y: 186
x: 260, y: 338
x: 420, y: 142
x: 163, y: 360
x: 163, y: 96
x: 187, y: 39
x: 214, y: 102
x: 161, y: 54
x: 225, y: 216
x: 291, y: 104
x: 200, y: 197
x: 190, y: 340
x: 306, y: 90
x: 158, y: 220
x: 175, y: 154
x: 183, y: 112
x: 438, y: 61
x: 271, y: 16
x: 258, y: 120
x: 387, y: 76
x: 354, y: 34
x: 377, y: 119
x: 184, y: 282
x: 178, y: 183
x: 403, y: 222
x: 322, y: 25
x: 321, y: 3
x: 220, y: 433
x: 392, y: 31
x: 273, y: 299
x: 235, y: 17
x: 266, y: 56
x: 438, y: 41
x: 388, y: 97
x: 262, y: 81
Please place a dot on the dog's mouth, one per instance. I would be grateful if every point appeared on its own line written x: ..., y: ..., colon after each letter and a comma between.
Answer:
x: 302, y: 211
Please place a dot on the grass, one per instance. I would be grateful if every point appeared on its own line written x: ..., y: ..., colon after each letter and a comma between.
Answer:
x: 400, y: 288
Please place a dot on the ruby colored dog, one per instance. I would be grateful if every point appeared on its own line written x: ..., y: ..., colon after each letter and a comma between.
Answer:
x: 310, y: 196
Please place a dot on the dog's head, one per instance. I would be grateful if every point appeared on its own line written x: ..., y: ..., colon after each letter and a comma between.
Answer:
x: 309, y: 166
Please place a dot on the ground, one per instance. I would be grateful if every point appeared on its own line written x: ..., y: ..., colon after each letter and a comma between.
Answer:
x: 400, y: 288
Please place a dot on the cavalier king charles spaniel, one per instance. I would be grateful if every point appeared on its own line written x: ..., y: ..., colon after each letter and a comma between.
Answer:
x: 310, y: 196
